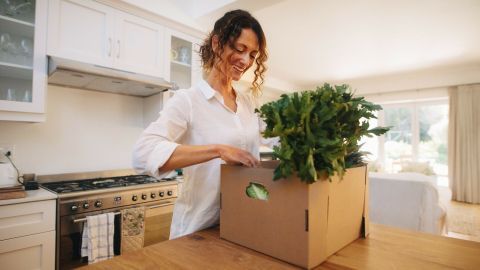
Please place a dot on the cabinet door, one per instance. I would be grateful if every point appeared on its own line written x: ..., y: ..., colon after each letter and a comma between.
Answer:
x: 36, y: 251
x: 26, y: 218
x: 81, y: 30
x: 138, y: 45
x: 23, y: 73
x: 184, y: 68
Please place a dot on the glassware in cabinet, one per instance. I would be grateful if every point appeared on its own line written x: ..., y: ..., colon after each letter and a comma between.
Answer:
x: 22, y: 59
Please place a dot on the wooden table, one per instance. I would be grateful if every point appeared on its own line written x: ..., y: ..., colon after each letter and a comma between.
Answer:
x: 386, y: 248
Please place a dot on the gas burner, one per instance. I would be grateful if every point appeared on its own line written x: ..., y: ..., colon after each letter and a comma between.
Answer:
x: 102, y: 183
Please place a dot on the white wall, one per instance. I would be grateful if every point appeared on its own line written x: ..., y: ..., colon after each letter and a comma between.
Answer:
x: 440, y: 77
x: 167, y: 9
x: 84, y: 131
x: 428, y: 94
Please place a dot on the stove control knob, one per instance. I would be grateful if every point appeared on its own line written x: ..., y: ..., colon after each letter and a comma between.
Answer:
x: 98, y: 204
x: 74, y: 208
x: 86, y: 205
x: 153, y: 195
x: 161, y: 193
x: 144, y: 196
x: 169, y: 193
x: 134, y: 198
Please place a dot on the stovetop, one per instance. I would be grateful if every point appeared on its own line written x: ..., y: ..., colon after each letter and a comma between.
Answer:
x: 101, y: 183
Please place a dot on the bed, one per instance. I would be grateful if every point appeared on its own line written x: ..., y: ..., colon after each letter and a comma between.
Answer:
x: 406, y: 200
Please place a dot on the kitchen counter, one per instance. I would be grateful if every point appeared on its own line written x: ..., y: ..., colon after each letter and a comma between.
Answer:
x: 385, y: 248
x: 32, y: 196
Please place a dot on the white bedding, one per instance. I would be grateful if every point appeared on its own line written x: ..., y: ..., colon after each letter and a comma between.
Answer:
x: 406, y: 200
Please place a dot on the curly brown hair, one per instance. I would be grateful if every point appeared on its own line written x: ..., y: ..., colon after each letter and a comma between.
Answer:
x: 228, y: 28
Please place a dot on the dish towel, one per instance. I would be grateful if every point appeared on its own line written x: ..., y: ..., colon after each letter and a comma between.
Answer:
x: 133, y: 229
x: 97, y: 238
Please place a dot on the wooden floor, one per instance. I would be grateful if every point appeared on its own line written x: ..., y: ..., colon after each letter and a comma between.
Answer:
x: 463, y: 219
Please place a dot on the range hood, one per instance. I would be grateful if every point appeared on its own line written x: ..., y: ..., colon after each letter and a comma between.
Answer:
x: 71, y: 73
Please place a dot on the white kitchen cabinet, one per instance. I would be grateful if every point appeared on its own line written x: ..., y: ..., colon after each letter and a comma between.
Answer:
x: 35, y: 251
x: 81, y: 30
x: 23, y: 63
x: 184, y: 68
x: 139, y: 45
x: 27, y: 234
x: 95, y: 33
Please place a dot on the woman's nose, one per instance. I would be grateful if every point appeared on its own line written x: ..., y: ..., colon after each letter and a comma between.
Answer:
x: 245, y: 58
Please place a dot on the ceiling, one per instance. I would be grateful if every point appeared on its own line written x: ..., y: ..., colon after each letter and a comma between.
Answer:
x: 314, y: 41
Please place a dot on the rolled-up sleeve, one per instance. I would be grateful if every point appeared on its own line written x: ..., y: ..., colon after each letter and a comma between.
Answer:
x: 157, y: 143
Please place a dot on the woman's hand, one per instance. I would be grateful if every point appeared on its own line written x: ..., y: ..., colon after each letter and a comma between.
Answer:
x: 234, y: 155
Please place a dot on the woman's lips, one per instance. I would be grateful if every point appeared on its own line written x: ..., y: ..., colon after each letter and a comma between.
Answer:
x: 238, y: 69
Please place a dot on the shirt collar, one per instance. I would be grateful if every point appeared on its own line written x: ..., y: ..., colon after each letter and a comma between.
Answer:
x: 208, y: 92
x: 206, y: 89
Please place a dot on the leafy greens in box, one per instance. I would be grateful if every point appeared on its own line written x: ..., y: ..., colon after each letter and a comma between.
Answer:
x: 319, y: 130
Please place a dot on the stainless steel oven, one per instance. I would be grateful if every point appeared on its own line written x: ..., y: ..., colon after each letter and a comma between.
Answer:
x: 158, y: 198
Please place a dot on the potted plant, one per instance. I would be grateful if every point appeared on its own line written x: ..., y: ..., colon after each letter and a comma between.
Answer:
x: 302, y: 219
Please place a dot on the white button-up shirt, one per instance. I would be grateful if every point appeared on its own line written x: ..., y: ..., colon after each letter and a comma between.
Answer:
x: 198, y: 116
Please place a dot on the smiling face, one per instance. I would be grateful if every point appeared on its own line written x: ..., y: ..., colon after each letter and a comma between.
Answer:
x: 238, y: 56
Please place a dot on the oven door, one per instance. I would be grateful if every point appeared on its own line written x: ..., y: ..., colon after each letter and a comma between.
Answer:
x: 158, y: 219
x: 71, y: 239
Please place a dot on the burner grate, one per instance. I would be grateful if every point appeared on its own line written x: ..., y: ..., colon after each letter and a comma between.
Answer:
x: 101, y: 183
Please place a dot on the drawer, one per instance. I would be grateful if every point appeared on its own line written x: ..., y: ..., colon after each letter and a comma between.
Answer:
x: 29, y: 252
x: 27, y: 218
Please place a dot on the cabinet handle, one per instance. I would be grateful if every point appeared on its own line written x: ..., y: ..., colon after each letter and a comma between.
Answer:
x: 110, y: 44
x: 118, y: 52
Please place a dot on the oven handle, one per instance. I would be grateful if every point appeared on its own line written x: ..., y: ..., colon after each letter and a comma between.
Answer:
x: 85, y: 219
x: 161, y: 204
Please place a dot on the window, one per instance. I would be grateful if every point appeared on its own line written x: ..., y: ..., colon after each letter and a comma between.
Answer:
x: 416, y: 142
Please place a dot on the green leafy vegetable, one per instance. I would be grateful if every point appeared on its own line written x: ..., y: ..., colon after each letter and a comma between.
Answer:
x: 257, y: 191
x: 319, y: 130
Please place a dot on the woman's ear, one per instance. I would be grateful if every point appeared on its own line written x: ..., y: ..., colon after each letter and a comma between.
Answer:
x: 214, y: 43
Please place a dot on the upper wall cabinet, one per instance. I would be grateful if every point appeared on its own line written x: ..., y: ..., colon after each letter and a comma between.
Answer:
x: 184, y: 68
x: 23, y: 31
x: 91, y: 32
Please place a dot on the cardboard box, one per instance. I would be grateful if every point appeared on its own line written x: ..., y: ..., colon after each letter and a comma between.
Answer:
x: 299, y: 223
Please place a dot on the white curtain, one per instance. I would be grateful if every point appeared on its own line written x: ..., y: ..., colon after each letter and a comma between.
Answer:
x: 464, y: 143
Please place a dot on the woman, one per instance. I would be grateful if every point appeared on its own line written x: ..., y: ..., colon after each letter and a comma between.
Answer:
x: 210, y: 122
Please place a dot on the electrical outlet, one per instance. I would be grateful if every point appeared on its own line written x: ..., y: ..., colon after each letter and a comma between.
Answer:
x: 4, y: 149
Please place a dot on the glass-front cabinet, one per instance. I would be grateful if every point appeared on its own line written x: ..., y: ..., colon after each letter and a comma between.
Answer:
x: 184, y: 68
x: 22, y: 59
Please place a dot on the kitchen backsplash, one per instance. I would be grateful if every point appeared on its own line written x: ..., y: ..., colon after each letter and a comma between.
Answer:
x: 84, y: 131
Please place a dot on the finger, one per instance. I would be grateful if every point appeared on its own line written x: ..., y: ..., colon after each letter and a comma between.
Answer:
x: 247, y: 163
x: 253, y: 162
x: 245, y: 160
x: 256, y: 162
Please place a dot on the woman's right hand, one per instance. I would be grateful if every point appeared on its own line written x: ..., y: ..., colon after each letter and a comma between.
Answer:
x: 234, y: 155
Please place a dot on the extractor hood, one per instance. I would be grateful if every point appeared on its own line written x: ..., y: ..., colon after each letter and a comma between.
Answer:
x: 81, y: 75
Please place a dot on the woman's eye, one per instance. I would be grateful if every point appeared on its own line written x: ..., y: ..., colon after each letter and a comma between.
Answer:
x: 239, y: 50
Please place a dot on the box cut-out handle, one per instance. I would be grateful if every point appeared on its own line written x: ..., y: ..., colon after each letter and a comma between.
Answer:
x: 257, y: 191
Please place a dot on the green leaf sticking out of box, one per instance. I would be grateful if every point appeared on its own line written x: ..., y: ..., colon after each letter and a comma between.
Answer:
x: 257, y: 191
